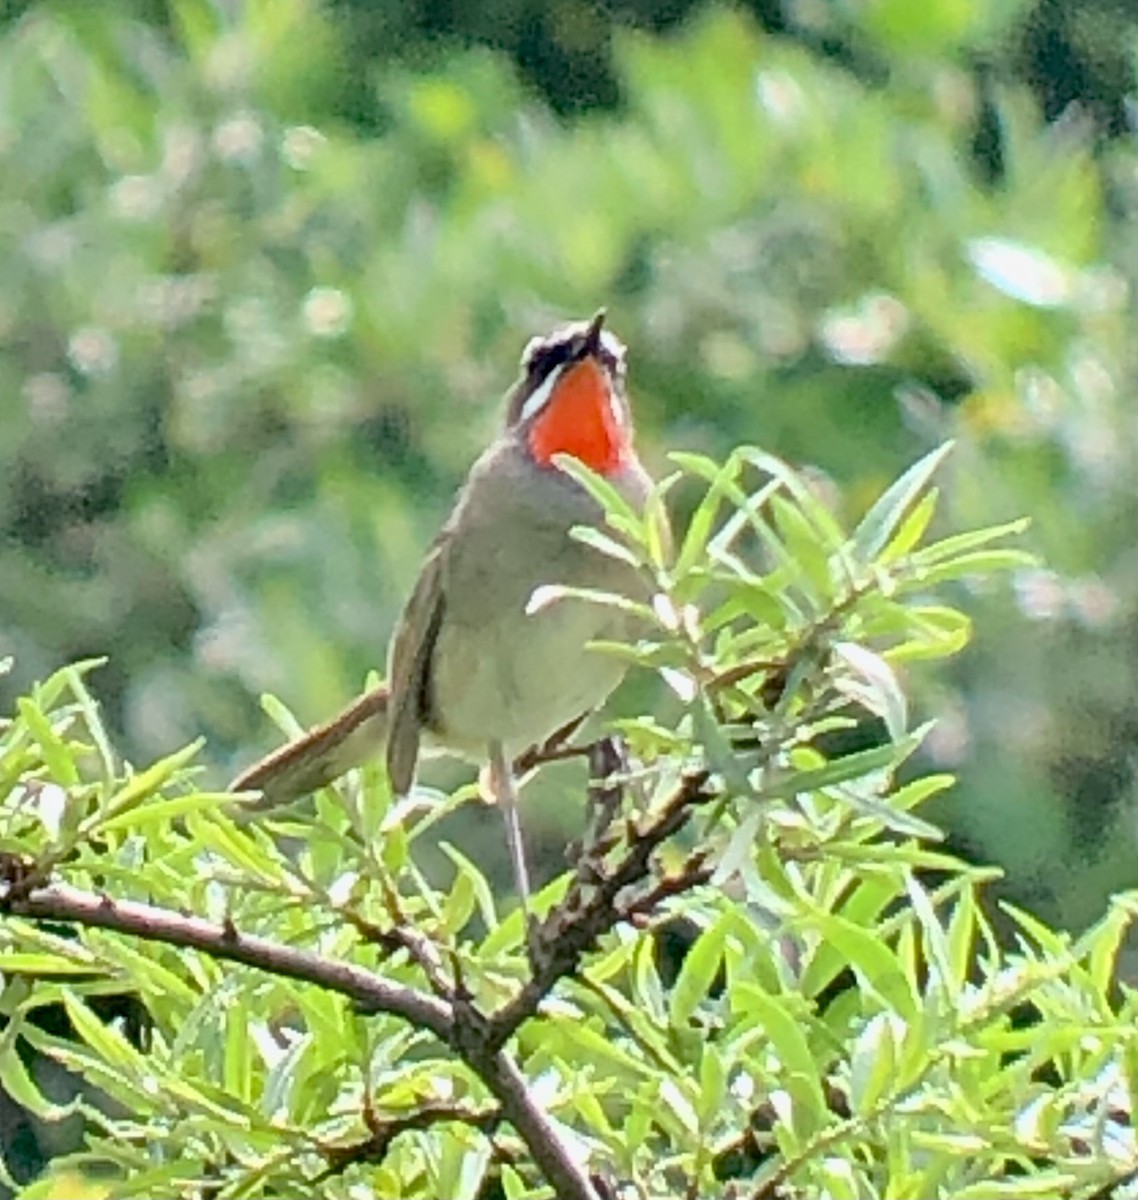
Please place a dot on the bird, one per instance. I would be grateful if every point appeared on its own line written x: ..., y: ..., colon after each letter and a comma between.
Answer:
x: 475, y: 667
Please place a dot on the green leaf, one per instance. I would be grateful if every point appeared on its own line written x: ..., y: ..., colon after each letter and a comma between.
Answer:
x: 145, y: 973
x: 979, y: 562
x: 875, y: 964
x: 46, y: 965
x: 581, y: 1044
x: 889, y: 510
x: 697, y: 974
x: 110, y: 1045
x: 873, y: 1063
x: 236, y: 847
x: 618, y: 510
x: 961, y: 939
x: 588, y: 536
x: 806, y: 548
x: 712, y: 1086
x: 478, y: 885
x: 959, y: 543
x: 17, y: 1082
x: 826, y: 529
x: 933, y: 936
x: 912, y: 529
x: 143, y: 785
x: 164, y: 810
x: 694, y: 546
x: 874, y: 685
x: 798, y: 1070
x: 1047, y: 1184
x: 56, y: 756
x: 841, y: 770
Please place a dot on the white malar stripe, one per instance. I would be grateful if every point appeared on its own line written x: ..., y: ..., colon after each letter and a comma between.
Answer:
x: 539, y: 398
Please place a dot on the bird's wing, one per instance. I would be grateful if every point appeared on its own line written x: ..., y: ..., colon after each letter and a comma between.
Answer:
x: 409, y: 667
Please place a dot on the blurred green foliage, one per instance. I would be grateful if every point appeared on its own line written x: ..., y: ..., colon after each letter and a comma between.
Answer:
x: 268, y: 265
x: 843, y: 1024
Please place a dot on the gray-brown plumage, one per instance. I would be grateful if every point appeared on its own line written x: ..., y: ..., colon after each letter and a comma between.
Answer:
x: 470, y: 670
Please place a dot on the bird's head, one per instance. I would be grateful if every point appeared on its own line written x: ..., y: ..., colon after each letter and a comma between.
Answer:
x: 571, y: 397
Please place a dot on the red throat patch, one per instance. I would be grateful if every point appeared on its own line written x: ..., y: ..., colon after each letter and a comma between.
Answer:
x: 581, y: 419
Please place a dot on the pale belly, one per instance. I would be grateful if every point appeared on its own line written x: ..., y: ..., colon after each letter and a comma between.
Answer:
x: 498, y: 673
x: 517, y: 678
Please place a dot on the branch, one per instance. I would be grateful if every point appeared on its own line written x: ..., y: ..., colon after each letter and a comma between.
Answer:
x: 370, y: 993
x: 456, y: 1026
x: 382, y: 1133
x: 591, y: 907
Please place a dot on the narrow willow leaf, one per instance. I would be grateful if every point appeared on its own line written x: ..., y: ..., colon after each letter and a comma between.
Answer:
x: 110, y: 1045
x: 583, y: 1044
x: 933, y: 935
x: 697, y: 974
x: 876, y: 688
x: 889, y: 510
x: 147, y: 782
x: 703, y: 466
x: 235, y: 847
x: 703, y: 519
x: 961, y: 938
x: 56, y: 756
x: 1047, y: 1185
x: 873, y: 1063
x: 805, y: 496
x: 480, y: 886
x: 882, y: 812
x: 281, y: 715
x: 17, y: 1082
x: 712, y: 1086
x: 799, y: 1072
x: 805, y: 547
x: 934, y: 631
x: 164, y: 810
x: 605, y: 494
x: 459, y: 900
x: 658, y: 543
x: 144, y: 972
x: 1102, y: 943
x: 238, y: 1057
x: 601, y: 542
x: 912, y: 528
x: 46, y: 694
x: 45, y: 965
x: 973, y: 539
x: 722, y: 757
x: 551, y: 593
x: 746, y: 514
x: 978, y: 562
x: 917, y: 791
x: 91, y: 719
x: 875, y: 964
x: 841, y: 770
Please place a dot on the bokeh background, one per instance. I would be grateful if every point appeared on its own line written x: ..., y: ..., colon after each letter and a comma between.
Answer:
x: 266, y: 267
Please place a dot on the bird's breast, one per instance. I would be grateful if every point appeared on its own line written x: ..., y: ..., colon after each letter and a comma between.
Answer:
x: 501, y: 672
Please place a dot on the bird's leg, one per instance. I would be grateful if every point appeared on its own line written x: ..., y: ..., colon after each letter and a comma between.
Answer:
x: 505, y: 795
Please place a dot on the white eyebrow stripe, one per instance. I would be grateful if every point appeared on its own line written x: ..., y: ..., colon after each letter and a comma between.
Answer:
x: 612, y: 344
x: 539, y: 397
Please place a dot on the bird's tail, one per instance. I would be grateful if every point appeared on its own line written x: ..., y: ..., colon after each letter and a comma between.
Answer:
x: 320, y: 755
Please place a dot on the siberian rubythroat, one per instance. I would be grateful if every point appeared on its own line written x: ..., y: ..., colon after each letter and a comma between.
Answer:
x: 472, y: 668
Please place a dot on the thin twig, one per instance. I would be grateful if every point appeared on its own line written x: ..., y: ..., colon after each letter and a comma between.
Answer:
x: 382, y: 1133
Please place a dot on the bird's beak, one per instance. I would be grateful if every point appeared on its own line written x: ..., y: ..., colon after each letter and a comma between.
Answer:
x: 592, y: 344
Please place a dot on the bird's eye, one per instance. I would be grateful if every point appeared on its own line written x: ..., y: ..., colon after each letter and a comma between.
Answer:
x: 546, y: 358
